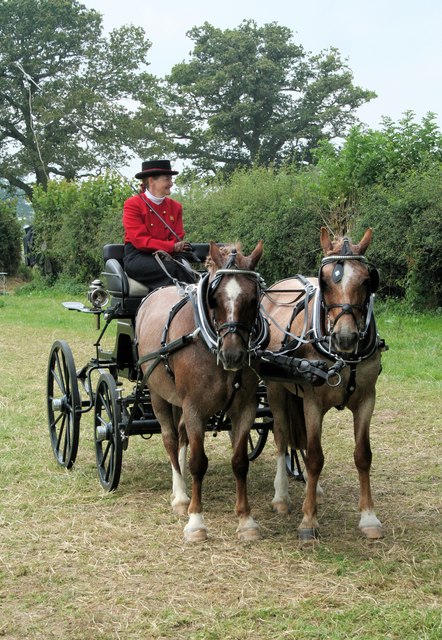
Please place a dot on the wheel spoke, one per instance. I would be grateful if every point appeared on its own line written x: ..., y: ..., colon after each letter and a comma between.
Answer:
x: 60, y: 433
x: 110, y: 465
x: 61, y: 378
x: 57, y: 419
x: 66, y: 442
x: 105, y: 454
x: 103, y: 422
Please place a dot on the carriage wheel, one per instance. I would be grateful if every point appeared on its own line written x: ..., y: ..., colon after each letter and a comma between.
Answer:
x: 256, y: 441
x: 294, y: 462
x: 107, y: 436
x: 64, y: 404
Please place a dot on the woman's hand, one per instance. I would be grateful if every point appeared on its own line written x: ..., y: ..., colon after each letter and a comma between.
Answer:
x: 182, y: 246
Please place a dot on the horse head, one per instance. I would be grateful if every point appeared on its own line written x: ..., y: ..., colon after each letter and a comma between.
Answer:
x: 346, y: 282
x: 233, y: 297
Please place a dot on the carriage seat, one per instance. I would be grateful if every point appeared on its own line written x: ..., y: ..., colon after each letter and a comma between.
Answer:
x: 121, y: 286
x: 118, y: 283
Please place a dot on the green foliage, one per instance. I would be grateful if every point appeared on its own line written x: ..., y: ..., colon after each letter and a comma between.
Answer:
x: 10, y: 237
x: 251, y: 96
x: 407, y: 247
x: 370, y: 157
x: 72, y: 223
x: 285, y: 207
x: 280, y: 207
x: 62, y: 90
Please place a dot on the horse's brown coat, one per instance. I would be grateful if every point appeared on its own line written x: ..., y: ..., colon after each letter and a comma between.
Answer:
x: 201, y: 387
x: 300, y: 422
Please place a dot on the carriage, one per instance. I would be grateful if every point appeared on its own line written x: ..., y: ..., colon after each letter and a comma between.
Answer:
x: 223, y: 368
x: 72, y: 392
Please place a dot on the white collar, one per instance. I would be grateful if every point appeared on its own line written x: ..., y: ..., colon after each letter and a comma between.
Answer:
x: 154, y: 198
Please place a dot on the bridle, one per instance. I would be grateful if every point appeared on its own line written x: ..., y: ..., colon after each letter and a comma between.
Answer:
x: 347, y: 308
x: 213, y: 331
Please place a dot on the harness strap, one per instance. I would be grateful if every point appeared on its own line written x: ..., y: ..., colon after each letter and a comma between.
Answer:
x: 160, y: 256
x: 351, y: 387
x: 157, y: 357
x: 169, y: 348
x: 236, y: 386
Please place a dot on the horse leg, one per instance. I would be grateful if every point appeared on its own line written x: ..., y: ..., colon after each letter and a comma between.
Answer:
x: 369, y: 524
x: 248, y: 529
x: 195, y: 529
x: 168, y: 418
x: 309, y: 527
x: 179, y: 498
x: 278, y: 400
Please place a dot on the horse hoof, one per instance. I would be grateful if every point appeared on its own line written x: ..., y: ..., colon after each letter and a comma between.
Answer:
x: 249, y: 535
x: 248, y: 530
x: 195, y: 535
x: 372, y: 533
x: 308, y: 537
x: 180, y: 509
x: 282, y: 508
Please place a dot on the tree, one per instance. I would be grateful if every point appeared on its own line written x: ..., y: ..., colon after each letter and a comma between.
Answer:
x: 10, y: 237
x: 251, y: 96
x: 370, y: 157
x: 65, y: 90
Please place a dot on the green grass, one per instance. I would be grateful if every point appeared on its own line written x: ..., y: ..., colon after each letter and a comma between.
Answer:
x: 415, y: 342
x: 80, y: 564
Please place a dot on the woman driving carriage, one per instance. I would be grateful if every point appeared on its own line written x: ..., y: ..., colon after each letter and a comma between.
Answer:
x: 152, y: 221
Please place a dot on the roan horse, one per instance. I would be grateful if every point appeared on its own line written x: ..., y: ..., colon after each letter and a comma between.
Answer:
x: 204, y: 369
x: 332, y: 316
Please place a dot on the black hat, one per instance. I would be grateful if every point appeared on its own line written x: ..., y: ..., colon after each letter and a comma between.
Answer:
x: 155, y: 168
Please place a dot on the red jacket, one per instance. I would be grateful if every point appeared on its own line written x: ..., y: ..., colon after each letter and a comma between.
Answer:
x: 145, y: 231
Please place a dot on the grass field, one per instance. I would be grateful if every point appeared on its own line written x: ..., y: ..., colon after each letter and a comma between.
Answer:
x: 80, y: 564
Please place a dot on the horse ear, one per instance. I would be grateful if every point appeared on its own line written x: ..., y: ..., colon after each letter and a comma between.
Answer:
x: 215, y: 254
x: 256, y: 254
x: 326, y: 243
x: 362, y: 247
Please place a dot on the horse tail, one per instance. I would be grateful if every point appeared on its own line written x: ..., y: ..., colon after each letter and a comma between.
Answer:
x: 297, y: 428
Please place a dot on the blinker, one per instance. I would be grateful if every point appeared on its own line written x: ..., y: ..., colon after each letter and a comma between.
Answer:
x: 338, y: 272
x: 374, y: 280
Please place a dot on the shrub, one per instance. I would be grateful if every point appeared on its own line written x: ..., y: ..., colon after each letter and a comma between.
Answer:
x: 72, y: 223
x: 10, y: 237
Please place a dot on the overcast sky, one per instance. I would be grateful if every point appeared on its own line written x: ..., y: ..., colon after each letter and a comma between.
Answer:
x: 394, y: 47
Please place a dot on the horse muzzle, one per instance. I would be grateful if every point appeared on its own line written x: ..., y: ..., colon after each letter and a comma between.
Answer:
x: 345, y: 340
x: 233, y: 347
x: 233, y: 357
